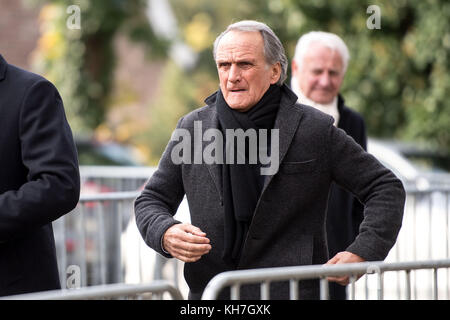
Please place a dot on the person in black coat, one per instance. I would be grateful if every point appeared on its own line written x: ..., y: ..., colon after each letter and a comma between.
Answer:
x: 318, y: 69
x: 39, y: 179
x: 244, y: 216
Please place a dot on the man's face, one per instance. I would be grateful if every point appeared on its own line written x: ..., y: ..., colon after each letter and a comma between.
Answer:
x: 243, y: 71
x: 321, y: 73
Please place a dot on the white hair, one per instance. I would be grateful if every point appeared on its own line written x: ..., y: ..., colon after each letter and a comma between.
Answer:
x: 273, y: 49
x: 327, y: 39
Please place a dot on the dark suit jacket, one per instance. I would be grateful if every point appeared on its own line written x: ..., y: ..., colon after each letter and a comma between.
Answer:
x: 288, y: 226
x: 39, y: 179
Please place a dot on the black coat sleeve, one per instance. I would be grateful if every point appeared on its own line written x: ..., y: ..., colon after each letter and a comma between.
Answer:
x: 49, y: 155
x: 376, y: 187
x: 358, y: 207
x: 159, y: 201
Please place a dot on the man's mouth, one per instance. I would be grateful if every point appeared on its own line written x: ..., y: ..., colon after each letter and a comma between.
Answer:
x: 237, y: 90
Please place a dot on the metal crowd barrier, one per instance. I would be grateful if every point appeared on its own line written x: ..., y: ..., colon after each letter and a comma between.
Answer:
x: 98, y: 242
x: 424, y: 236
x: 154, y: 291
x: 91, y: 240
x: 114, y: 178
x: 266, y: 276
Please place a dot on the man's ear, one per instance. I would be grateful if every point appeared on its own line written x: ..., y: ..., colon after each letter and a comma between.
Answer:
x: 275, y: 73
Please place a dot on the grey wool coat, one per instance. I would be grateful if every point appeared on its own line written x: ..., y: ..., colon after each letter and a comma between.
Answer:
x: 288, y: 225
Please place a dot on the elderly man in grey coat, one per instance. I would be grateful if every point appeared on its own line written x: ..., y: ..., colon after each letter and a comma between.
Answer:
x: 256, y: 168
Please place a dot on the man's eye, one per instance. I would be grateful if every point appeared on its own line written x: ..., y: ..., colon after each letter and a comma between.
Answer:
x: 224, y: 65
x: 244, y: 64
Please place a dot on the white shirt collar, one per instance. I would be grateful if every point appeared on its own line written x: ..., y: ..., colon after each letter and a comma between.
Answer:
x: 329, y: 108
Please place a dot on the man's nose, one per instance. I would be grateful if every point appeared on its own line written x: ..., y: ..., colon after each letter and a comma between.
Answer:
x: 234, y: 74
x: 324, y: 79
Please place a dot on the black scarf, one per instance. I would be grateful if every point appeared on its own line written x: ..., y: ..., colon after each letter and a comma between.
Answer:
x: 242, y: 183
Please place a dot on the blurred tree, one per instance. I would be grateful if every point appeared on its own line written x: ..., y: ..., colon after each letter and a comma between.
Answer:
x: 81, y: 61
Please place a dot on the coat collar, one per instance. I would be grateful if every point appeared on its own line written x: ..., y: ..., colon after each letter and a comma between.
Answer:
x: 287, y: 120
x: 3, y: 65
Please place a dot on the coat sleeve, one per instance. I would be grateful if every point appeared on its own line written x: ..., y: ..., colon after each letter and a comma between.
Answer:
x: 48, y: 153
x: 159, y: 201
x: 375, y: 186
x: 358, y: 208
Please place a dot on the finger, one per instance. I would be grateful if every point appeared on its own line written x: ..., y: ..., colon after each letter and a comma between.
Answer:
x: 189, y: 249
x: 333, y: 260
x: 186, y: 248
x: 192, y: 238
x: 185, y: 258
x: 193, y: 255
x: 188, y: 256
x: 181, y: 233
x: 195, y: 249
x: 194, y: 230
x: 340, y: 280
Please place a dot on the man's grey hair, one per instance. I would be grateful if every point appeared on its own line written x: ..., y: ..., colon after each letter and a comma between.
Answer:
x: 273, y: 49
x: 330, y: 40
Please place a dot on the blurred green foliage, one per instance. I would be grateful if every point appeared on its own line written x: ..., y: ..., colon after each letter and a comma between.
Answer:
x: 81, y: 62
x: 398, y: 76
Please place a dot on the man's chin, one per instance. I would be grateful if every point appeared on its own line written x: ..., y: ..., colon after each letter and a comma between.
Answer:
x: 239, y: 106
x: 322, y: 99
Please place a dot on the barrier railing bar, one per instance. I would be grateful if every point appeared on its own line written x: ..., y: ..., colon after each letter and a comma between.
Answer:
x: 293, y: 289
x: 102, y: 242
x: 63, y: 250
x: 83, y: 267
x: 435, y: 284
x: 366, y: 287
x: 408, y: 284
x: 265, y: 290
x: 430, y: 227
x: 324, y: 290
x: 380, y: 285
x: 235, y: 292
x: 102, y: 291
x: 352, y: 279
x: 412, y: 189
x: 124, y: 195
x: 314, y: 271
x: 118, y: 256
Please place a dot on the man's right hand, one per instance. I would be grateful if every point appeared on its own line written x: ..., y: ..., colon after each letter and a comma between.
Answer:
x: 186, y: 242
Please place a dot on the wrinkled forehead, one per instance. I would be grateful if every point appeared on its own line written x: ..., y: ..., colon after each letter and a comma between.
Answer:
x: 321, y: 50
x: 322, y: 56
x: 237, y: 43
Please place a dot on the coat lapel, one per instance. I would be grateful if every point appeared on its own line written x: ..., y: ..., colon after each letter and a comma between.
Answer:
x: 210, y: 120
x: 286, y: 122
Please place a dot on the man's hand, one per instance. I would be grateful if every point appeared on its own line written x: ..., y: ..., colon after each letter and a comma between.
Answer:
x: 343, y: 257
x: 186, y: 242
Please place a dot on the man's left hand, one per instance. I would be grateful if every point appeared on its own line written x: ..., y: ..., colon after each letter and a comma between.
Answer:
x: 343, y: 257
